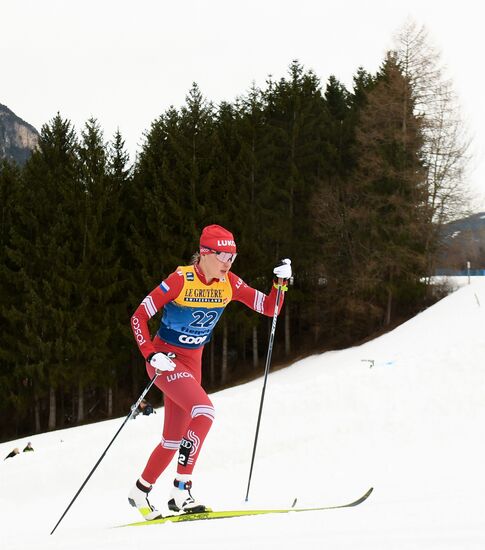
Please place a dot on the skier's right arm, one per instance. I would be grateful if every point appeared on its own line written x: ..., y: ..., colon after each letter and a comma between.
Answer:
x: 167, y: 291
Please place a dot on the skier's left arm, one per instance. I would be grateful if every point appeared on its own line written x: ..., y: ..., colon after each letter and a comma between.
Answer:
x: 260, y: 302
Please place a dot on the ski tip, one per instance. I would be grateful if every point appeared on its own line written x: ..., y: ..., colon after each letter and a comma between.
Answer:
x: 365, y: 496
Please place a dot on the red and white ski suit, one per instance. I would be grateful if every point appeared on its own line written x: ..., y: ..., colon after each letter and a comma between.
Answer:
x: 191, y: 309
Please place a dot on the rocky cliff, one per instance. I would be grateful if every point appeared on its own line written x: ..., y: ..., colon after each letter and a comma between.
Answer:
x: 17, y: 138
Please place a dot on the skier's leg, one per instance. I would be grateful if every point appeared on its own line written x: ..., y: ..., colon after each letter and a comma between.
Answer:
x: 184, y: 389
x: 181, y: 498
x: 189, y: 417
x: 175, y: 425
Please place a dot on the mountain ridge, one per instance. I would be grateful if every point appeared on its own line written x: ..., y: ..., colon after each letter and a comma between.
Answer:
x: 18, y: 138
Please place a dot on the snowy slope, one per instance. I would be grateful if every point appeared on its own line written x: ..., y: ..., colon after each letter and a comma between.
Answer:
x: 404, y: 413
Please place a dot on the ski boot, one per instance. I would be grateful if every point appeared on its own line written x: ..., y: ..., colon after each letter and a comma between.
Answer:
x: 138, y: 498
x: 182, y: 500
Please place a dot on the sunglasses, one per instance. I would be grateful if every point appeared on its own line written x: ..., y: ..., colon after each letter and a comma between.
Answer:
x: 223, y: 256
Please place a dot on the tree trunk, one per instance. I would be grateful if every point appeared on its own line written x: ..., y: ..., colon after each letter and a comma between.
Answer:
x: 287, y: 331
x: 80, y: 403
x: 134, y: 374
x: 61, y: 408
x: 110, y: 402
x: 52, y: 409
x: 389, y: 307
x: 37, y: 414
x: 255, y: 347
x: 224, y: 374
x: 212, y: 363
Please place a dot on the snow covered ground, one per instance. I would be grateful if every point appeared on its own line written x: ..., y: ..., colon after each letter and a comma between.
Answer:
x: 404, y: 413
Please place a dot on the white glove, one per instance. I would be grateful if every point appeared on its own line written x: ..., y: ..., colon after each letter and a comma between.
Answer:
x: 160, y: 362
x: 283, y: 269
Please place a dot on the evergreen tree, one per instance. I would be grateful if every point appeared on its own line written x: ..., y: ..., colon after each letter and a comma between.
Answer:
x: 329, y: 211
x: 254, y: 194
x: 99, y: 277
x: 44, y: 255
x: 119, y: 177
x: 294, y: 111
x: 170, y: 188
x: 295, y: 114
x: 170, y: 193
x: 13, y: 395
x: 148, y: 208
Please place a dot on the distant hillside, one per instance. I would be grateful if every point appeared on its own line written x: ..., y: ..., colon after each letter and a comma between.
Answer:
x: 474, y: 224
x: 17, y: 138
x: 464, y: 241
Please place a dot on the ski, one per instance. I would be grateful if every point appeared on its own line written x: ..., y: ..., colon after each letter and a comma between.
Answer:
x: 210, y: 514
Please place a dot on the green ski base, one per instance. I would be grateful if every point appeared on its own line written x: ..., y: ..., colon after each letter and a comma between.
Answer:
x: 241, y: 513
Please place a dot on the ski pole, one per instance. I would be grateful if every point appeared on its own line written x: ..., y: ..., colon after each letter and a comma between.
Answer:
x: 132, y: 410
x: 266, y: 371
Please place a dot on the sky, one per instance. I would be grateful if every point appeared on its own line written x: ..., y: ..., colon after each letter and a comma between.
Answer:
x: 125, y: 62
x: 403, y: 413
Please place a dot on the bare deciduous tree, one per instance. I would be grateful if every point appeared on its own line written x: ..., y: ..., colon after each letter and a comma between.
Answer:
x: 446, y: 145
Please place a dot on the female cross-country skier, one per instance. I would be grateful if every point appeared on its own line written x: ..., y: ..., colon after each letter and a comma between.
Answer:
x: 193, y: 298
